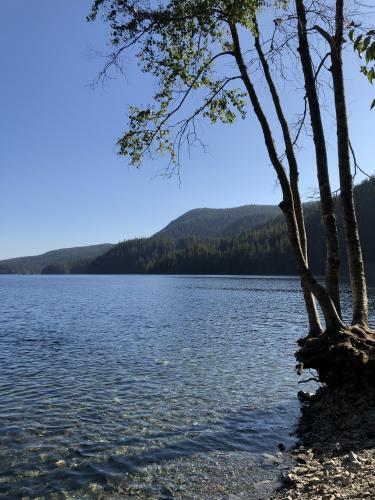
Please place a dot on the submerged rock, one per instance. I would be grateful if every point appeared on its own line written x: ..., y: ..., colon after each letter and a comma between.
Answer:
x: 305, y: 396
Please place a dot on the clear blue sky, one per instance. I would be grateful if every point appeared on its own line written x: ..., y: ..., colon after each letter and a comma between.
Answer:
x: 62, y: 183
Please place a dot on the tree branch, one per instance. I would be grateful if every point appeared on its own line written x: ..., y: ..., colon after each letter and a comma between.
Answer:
x: 356, y: 166
x: 324, y: 34
x: 321, y: 65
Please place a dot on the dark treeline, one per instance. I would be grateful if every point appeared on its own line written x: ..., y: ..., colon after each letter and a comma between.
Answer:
x: 262, y: 250
x: 202, y: 242
x: 257, y: 251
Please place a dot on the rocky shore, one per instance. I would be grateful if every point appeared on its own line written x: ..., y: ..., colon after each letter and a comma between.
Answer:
x: 335, y: 455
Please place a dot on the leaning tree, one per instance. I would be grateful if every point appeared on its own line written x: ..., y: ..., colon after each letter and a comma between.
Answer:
x: 344, y: 353
x: 183, y: 44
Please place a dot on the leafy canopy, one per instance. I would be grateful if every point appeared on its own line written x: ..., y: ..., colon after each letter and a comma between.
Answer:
x: 181, y: 43
x: 364, y: 45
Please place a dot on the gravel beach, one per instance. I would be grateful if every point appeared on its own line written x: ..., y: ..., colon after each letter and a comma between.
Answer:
x: 335, y: 454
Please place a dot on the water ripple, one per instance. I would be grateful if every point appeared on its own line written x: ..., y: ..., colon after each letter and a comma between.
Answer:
x: 145, y: 385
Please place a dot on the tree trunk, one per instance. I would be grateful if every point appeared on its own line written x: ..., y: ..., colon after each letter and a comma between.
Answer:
x: 329, y: 218
x: 331, y: 316
x: 330, y: 313
x: 353, y: 244
x: 314, y: 322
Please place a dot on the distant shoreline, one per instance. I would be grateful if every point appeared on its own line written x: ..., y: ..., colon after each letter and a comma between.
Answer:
x: 344, y: 279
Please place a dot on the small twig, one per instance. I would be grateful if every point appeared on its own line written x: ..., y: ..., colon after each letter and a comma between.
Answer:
x: 309, y: 380
x: 302, y: 122
x: 356, y: 166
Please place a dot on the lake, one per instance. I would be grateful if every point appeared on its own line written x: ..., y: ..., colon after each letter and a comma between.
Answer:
x: 148, y: 386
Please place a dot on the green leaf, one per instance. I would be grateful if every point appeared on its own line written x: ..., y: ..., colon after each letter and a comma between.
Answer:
x: 366, y: 42
x: 357, y: 42
x: 372, y: 104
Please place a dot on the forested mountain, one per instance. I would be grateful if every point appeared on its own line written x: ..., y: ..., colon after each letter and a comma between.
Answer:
x: 244, y: 240
x: 262, y: 250
x: 65, y: 260
x: 212, y: 222
x: 201, y: 222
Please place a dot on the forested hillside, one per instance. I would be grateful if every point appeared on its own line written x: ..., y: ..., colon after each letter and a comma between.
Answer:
x: 65, y: 260
x: 201, y: 222
x: 246, y: 240
x: 262, y: 250
x: 211, y: 222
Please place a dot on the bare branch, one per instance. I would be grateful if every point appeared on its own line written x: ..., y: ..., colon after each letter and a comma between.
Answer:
x: 356, y: 166
x: 324, y: 34
x: 309, y: 380
x: 302, y: 121
x: 321, y: 65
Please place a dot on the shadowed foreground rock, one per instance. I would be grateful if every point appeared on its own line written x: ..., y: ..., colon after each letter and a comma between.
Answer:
x: 335, y: 455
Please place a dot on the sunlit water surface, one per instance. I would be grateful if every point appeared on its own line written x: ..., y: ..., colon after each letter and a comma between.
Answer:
x: 146, y: 386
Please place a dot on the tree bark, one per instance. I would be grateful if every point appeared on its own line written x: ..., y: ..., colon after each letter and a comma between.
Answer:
x: 353, y: 244
x: 314, y: 321
x: 329, y: 218
x: 331, y: 316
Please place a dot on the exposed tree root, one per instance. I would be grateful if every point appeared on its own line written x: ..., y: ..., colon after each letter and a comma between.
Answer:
x: 341, y: 357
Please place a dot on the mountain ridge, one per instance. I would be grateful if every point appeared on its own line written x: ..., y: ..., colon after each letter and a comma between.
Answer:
x: 240, y: 240
x: 211, y: 222
x: 198, y: 222
x: 264, y: 249
x: 35, y: 264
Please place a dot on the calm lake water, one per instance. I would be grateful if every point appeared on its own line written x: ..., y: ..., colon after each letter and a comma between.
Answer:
x: 148, y: 386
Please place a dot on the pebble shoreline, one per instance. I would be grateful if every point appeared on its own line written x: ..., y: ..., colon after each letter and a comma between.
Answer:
x: 335, y: 455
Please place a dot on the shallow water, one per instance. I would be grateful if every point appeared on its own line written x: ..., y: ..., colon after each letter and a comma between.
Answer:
x: 148, y: 386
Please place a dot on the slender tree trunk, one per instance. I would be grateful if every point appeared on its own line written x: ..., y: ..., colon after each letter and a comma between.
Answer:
x: 314, y: 322
x: 331, y: 317
x: 329, y: 218
x: 330, y: 313
x: 353, y: 244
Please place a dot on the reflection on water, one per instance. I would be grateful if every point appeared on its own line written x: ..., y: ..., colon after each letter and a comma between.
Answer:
x: 153, y: 386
